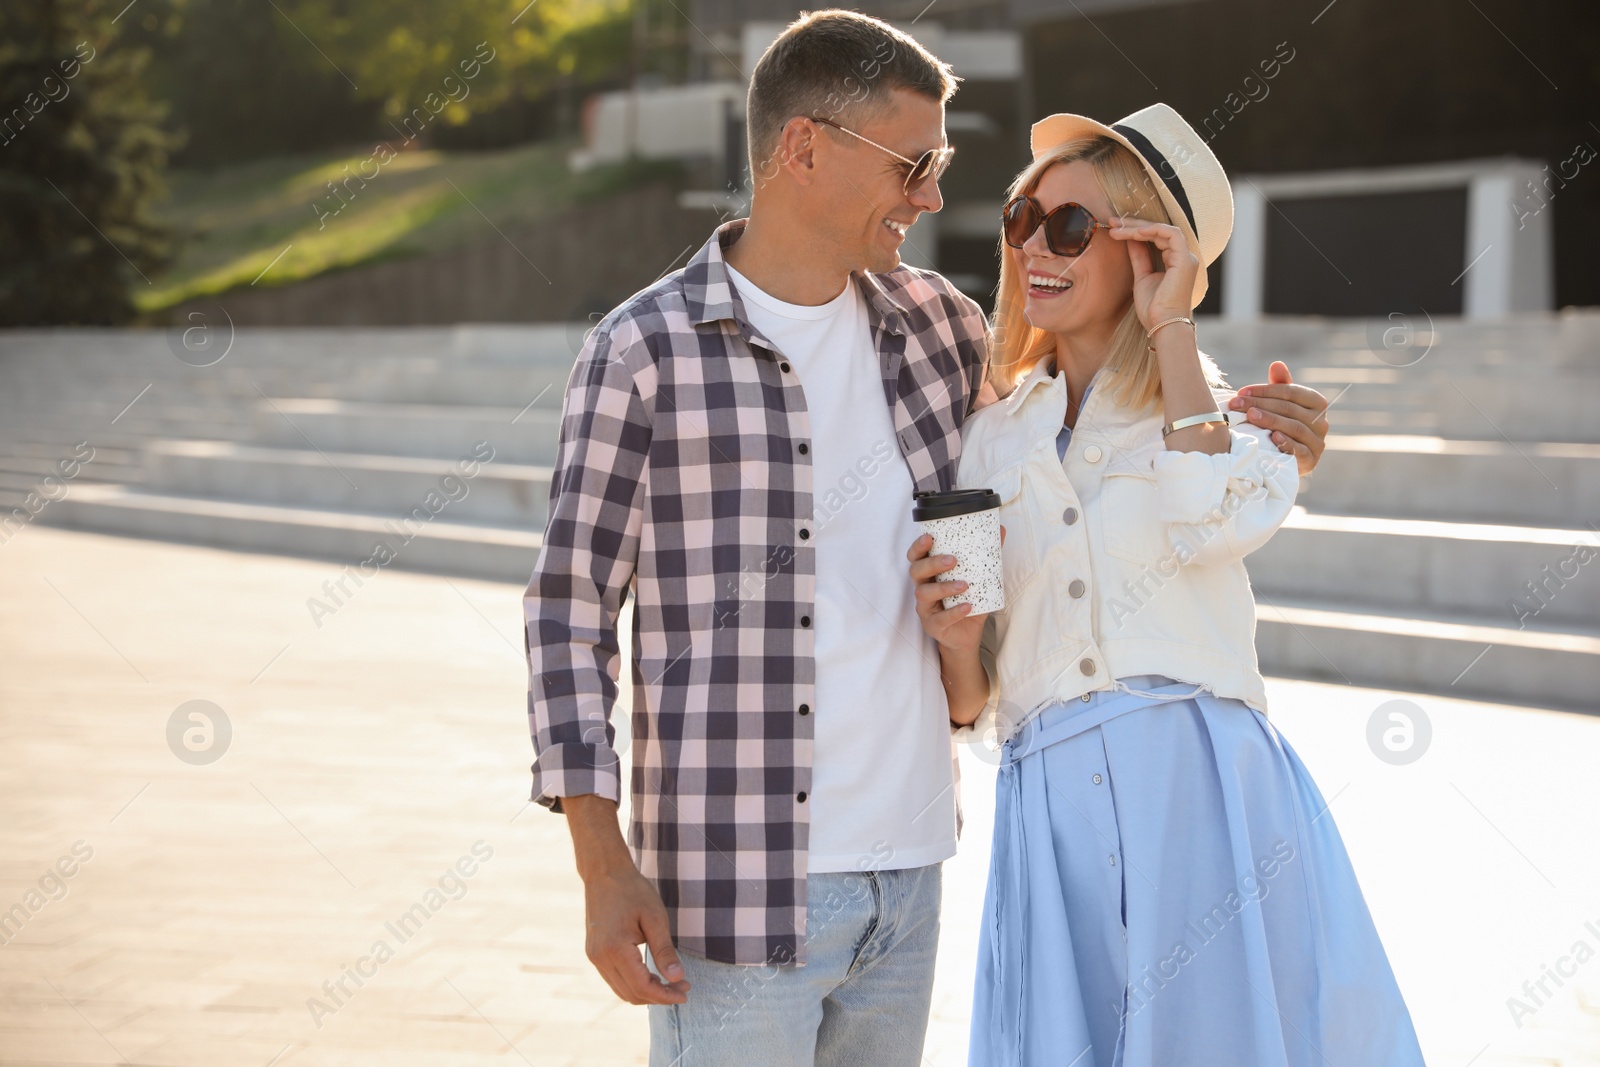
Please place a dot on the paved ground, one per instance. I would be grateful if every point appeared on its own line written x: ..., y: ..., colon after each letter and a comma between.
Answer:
x: 175, y: 912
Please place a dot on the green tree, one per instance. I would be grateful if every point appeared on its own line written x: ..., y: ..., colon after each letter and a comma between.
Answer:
x: 242, y: 83
x: 447, y: 62
x: 81, y: 157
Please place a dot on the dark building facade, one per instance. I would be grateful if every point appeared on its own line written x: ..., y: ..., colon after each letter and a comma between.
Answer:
x: 1441, y: 155
x: 1299, y: 86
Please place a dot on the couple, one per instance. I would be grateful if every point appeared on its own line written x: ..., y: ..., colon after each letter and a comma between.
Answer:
x: 1166, y: 886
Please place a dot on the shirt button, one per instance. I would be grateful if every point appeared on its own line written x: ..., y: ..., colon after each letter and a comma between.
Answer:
x: 801, y: 796
x: 1076, y: 588
x: 805, y: 620
x: 1069, y: 516
x: 1112, y: 857
x: 1092, y: 453
x: 804, y: 448
x: 805, y: 534
x: 805, y: 709
x: 784, y: 367
x: 1084, y: 665
x: 1097, y: 779
x: 1086, y: 697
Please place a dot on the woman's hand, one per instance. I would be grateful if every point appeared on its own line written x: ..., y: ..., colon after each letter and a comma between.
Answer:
x: 1158, y: 294
x: 956, y: 629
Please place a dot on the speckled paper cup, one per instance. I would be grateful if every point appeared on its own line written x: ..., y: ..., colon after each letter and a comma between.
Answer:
x: 965, y: 523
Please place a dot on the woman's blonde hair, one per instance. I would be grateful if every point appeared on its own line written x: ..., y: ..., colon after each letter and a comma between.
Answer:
x: 1132, y: 375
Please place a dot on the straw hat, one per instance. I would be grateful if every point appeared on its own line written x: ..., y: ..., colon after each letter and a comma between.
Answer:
x: 1185, y: 173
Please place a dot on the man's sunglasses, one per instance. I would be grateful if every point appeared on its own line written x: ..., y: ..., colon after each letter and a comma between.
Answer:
x: 1068, y: 229
x: 931, y: 164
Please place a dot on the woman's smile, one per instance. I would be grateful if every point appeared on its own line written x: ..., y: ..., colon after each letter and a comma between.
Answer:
x: 1045, y: 285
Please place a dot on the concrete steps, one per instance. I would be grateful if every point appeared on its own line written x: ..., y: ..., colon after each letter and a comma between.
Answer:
x: 1463, y: 467
x: 308, y: 442
x: 1490, y: 572
x: 1408, y: 603
x: 438, y: 544
x: 434, y: 430
x: 1421, y: 653
x: 509, y: 494
x: 1431, y: 477
x: 1464, y: 470
x: 1527, y: 378
x: 1534, y: 344
x: 1479, y: 407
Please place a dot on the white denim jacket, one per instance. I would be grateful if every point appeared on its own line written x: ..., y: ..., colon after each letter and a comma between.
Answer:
x: 1124, y: 558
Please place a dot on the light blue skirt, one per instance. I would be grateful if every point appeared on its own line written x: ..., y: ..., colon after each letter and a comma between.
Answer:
x: 1168, y: 888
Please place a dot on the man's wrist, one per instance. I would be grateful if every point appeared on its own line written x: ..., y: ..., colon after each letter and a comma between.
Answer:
x: 597, y: 843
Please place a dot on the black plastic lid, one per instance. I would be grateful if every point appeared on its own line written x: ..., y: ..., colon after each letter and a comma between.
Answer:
x: 935, y: 505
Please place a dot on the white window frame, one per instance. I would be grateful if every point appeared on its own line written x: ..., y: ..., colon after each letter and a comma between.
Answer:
x: 1508, y: 266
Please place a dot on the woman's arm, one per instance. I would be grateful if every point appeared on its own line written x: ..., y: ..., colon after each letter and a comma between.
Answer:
x: 1222, y: 507
x: 966, y: 685
x: 957, y: 630
x: 1185, y: 392
x: 1161, y: 296
x: 1296, y: 415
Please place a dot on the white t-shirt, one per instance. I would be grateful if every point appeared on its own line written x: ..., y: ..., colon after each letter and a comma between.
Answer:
x: 882, y: 794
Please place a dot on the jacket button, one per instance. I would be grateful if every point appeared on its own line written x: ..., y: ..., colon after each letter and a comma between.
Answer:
x: 805, y: 709
x: 804, y: 448
x: 801, y: 796
x: 805, y: 534
x: 1092, y: 453
x: 1086, y: 666
x: 805, y: 620
x: 1076, y: 588
x: 1069, y: 516
x: 784, y: 367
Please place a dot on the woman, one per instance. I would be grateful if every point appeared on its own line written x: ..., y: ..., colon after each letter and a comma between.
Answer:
x: 1167, y: 887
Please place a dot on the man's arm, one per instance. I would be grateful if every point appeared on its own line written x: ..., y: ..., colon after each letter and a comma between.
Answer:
x: 573, y: 599
x: 1295, y: 415
x: 570, y: 609
x: 622, y: 909
x: 974, y: 351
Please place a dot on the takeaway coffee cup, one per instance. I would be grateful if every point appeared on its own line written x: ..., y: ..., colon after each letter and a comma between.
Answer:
x: 965, y: 523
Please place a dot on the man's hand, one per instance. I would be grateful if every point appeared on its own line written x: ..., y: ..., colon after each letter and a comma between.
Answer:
x: 621, y: 908
x: 1297, y: 415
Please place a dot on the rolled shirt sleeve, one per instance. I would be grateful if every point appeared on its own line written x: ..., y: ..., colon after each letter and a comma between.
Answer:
x: 1227, y: 505
x: 575, y: 594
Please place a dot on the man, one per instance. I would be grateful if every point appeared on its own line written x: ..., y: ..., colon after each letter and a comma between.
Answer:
x: 739, y: 446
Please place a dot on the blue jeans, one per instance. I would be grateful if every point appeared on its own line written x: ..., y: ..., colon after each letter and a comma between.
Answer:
x: 861, y: 998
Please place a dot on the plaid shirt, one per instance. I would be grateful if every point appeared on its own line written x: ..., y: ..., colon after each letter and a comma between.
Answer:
x: 684, y: 472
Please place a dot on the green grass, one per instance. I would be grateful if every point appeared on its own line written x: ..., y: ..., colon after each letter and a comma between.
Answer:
x: 237, y: 221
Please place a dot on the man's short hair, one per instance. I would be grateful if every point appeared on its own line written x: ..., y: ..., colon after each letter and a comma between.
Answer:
x: 840, y: 65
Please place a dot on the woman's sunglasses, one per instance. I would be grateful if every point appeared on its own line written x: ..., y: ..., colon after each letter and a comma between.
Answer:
x: 1068, y: 229
x: 931, y: 164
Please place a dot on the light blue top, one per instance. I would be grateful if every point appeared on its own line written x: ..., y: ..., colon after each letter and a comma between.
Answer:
x: 1064, y: 438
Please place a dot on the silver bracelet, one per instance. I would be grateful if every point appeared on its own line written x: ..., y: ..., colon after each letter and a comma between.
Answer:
x: 1195, y: 420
